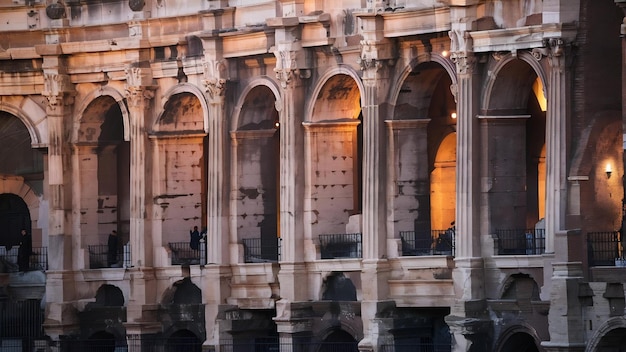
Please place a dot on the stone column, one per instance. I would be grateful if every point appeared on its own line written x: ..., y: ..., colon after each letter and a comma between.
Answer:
x: 291, y: 71
x: 217, y: 190
x: 141, y: 308
x: 467, y: 321
x: 138, y: 94
x: 377, y: 56
x: 59, y: 284
x: 56, y: 89
x: 557, y: 115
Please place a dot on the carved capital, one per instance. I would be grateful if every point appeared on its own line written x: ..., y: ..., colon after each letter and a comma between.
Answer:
x: 556, y: 51
x: 375, y: 55
x: 55, y: 87
x: 138, y: 76
x: 215, y: 87
x: 287, y: 68
x: 464, y: 62
x: 137, y: 95
x: 138, y: 86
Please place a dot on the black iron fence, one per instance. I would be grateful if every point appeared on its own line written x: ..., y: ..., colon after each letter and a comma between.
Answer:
x: 260, y: 250
x: 520, y: 241
x: 434, y: 242
x: 341, y: 245
x: 38, y: 259
x: 183, y: 254
x: 191, y: 344
x: 99, y: 257
x: 605, y: 248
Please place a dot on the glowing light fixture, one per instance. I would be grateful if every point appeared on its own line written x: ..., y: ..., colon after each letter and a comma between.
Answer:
x: 453, y: 115
x: 608, y: 169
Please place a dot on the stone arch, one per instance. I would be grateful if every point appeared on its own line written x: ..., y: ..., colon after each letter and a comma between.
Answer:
x: 409, y: 70
x: 183, y: 339
x: 109, y: 296
x: 182, y: 89
x: 14, y: 216
x: 337, y: 338
x: 321, y: 84
x: 182, y: 292
x: 90, y: 98
x: 518, y: 337
x: 512, y: 109
x: 37, y: 137
x: 255, y: 141
x: 262, y: 81
x: 520, y: 286
x: 511, y: 72
x: 15, y: 185
x: 613, y: 330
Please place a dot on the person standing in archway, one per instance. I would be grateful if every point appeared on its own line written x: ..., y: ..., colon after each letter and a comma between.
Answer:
x: 112, y: 249
x: 25, y: 251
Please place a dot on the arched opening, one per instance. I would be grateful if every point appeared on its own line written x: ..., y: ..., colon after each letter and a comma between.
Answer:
x: 443, y: 184
x: 613, y: 341
x: 109, y: 296
x: 181, y: 147
x: 519, y: 342
x: 14, y: 216
x: 257, y: 184
x: 339, y: 340
x: 424, y: 152
x: 514, y: 123
x: 104, y: 161
x: 334, y: 139
x: 183, y: 341
x: 18, y: 157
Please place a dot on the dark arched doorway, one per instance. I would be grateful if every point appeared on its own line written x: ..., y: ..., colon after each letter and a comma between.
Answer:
x: 614, y: 340
x: 339, y: 341
x: 520, y: 342
x: 183, y: 341
x: 14, y: 216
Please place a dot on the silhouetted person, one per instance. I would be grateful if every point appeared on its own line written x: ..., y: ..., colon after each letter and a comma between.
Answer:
x: 25, y: 250
x: 194, y: 242
x: 112, y: 244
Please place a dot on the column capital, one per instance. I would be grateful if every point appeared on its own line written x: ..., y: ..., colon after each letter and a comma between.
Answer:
x: 58, y: 89
x: 138, y: 85
x: 461, y: 51
x: 290, y: 66
x: 215, y: 77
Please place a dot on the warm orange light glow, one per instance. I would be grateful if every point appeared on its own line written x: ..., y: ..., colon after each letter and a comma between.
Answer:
x: 453, y: 115
x: 444, y: 53
x: 608, y: 169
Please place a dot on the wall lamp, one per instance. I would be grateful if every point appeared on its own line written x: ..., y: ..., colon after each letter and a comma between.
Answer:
x: 608, y: 169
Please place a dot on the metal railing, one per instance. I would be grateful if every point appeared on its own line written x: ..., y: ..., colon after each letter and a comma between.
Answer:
x: 195, y: 345
x: 434, y: 242
x: 341, y: 245
x: 604, y: 248
x: 183, y: 254
x: 520, y: 241
x: 99, y: 257
x: 259, y: 250
x: 38, y: 259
